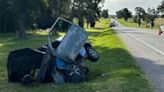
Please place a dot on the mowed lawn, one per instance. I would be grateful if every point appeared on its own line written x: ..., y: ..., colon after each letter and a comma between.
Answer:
x: 116, y: 70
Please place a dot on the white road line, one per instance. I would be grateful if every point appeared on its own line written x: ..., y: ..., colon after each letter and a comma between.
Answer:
x: 157, y: 50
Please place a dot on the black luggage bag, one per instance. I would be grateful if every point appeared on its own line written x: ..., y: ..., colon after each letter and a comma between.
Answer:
x: 22, y: 62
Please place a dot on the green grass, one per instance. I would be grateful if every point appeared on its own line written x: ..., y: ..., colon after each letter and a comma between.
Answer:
x: 132, y: 24
x: 116, y: 70
x: 128, y: 24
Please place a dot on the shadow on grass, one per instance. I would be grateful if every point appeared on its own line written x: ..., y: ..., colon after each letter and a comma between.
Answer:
x: 99, y: 28
x: 117, y: 68
x: 100, y: 33
x: 111, y: 61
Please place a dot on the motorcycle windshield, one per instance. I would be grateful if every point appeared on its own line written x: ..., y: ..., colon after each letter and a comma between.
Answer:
x: 72, y: 43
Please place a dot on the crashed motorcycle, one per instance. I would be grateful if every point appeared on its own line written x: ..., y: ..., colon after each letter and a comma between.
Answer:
x: 62, y: 60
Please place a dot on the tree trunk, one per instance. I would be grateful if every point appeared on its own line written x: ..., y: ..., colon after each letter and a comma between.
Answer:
x: 22, y: 29
x: 92, y: 24
x: 146, y: 24
x: 81, y: 23
x: 139, y: 22
x: 152, y: 23
x: 6, y: 22
x: 87, y: 25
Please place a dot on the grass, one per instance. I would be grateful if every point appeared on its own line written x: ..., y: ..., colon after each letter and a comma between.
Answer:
x: 159, y: 21
x: 132, y: 24
x: 128, y: 24
x: 116, y: 70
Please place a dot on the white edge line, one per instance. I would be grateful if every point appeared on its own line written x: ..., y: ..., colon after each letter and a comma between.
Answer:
x: 157, y: 50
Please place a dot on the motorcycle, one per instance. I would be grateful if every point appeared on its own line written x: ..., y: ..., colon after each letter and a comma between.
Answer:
x: 62, y: 60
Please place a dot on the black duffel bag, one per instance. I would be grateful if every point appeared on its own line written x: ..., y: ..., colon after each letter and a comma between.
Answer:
x: 22, y: 62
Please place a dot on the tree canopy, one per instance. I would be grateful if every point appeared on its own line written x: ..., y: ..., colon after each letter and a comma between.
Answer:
x: 20, y: 15
x: 105, y: 13
x: 124, y: 13
x: 160, y: 8
x: 148, y: 17
x: 86, y: 9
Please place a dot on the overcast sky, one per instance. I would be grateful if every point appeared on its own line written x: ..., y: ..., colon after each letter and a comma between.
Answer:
x: 115, y: 5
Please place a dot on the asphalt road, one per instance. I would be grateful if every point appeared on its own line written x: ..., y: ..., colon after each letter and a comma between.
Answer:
x: 148, y: 49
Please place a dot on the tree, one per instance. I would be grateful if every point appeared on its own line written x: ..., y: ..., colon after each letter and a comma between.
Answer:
x: 119, y: 14
x: 127, y: 14
x: 152, y: 14
x: 105, y: 13
x: 7, y: 23
x: 135, y: 18
x: 160, y: 8
x: 147, y: 19
x: 140, y: 12
x: 93, y: 11
x: 53, y: 9
x: 20, y: 15
x: 124, y: 13
x: 24, y: 11
x: 86, y: 9
x: 78, y: 10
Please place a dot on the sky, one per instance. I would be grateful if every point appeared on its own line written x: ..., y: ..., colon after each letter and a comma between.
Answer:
x: 116, y: 5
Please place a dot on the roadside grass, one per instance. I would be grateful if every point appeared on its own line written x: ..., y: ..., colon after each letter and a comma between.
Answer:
x: 128, y: 24
x: 132, y: 24
x: 116, y: 70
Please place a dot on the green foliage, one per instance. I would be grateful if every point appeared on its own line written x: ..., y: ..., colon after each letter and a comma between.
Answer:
x: 20, y: 15
x: 25, y: 11
x: 152, y: 14
x: 124, y: 13
x: 7, y: 23
x: 160, y: 8
x: 52, y: 9
x: 140, y: 12
x: 86, y: 9
x: 147, y: 17
x: 105, y: 13
x: 128, y: 24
